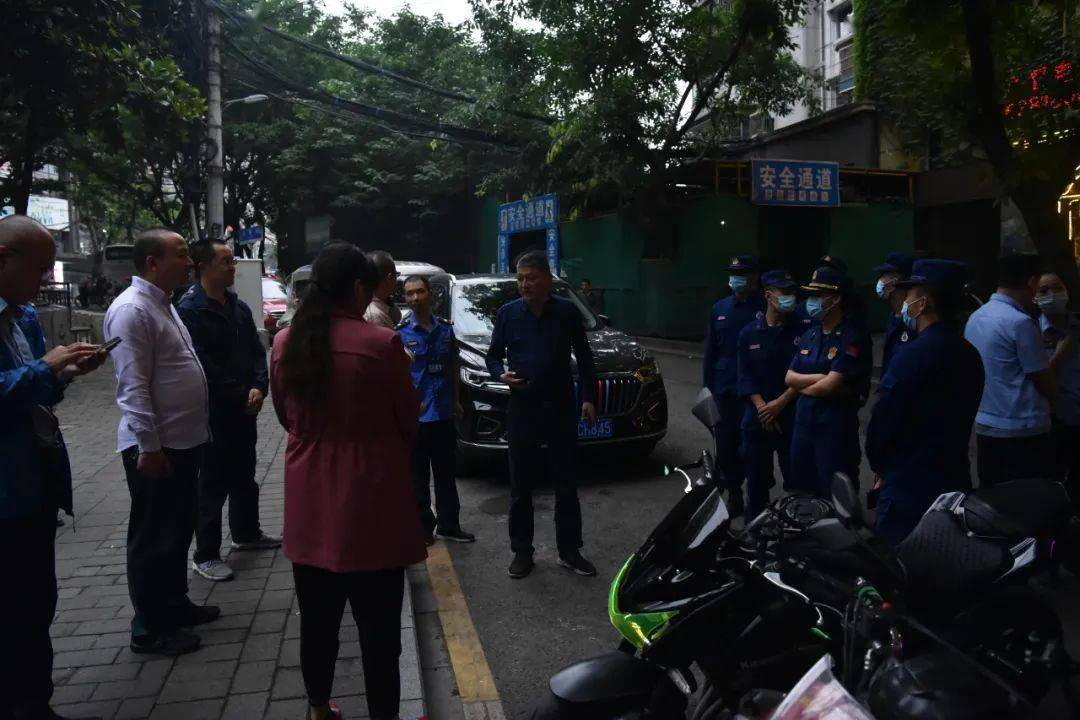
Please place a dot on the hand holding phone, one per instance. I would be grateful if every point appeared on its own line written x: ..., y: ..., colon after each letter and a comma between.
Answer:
x: 108, y: 347
x: 515, y: 380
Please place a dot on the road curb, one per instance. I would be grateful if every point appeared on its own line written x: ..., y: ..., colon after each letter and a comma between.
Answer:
x: 476, y: 685
x: 413, y: 647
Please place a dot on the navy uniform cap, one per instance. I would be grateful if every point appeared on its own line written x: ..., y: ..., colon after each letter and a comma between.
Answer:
x: 944, y: 274
x: 826, y: 279
x: 896, y: 263
x: 778, y: 279
x: 743, y: 263
x: 831, y: 261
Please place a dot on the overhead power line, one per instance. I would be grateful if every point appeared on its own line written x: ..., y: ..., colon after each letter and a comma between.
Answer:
x: 391, y: 116
x: 363, y: 65
x: 344, y: 114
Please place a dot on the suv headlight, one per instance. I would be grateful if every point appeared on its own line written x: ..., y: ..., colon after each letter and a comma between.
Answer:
x: 649, y: 370
x: 482, y: 379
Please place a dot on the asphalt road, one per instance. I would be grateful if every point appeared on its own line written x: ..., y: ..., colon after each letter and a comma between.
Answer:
x: 531, y: 628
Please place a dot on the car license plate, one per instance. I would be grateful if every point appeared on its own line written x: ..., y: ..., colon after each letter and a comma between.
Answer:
x: 594, y: 431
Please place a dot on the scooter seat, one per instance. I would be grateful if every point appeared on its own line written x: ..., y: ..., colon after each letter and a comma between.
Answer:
x: 945, y: 565
x: 1017, y: 509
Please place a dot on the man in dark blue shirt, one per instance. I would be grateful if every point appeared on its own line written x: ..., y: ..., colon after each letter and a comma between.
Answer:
x: 431, y: 345
x: 920, y: 428
x: 896, y: 267
x: 234, y: 360
x: 535, y: 335
x: 766, y: 348
x: 726, y: 320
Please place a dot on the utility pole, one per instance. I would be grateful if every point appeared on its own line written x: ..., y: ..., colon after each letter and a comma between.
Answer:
x: 215, y: 186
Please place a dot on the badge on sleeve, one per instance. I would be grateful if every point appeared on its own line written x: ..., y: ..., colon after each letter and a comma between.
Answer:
x: 832, y: 352
x: 755, y: 346
x: 904, y: 337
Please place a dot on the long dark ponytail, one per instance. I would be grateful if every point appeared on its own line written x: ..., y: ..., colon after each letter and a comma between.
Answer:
x: 305, y: 362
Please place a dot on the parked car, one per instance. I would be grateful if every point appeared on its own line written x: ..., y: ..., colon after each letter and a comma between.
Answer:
x: 275, y: 301
x: 631, y: 398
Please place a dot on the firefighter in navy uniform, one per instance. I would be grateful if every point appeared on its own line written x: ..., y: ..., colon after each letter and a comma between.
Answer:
x: 430, y: 342
x: 765, y: 350
x: 920, y: 428
x: 829, y: 372
x: 897, y: 267
x: 726, y: 320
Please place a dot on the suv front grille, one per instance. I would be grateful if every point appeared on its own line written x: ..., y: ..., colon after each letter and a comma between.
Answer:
x: 615, y: 394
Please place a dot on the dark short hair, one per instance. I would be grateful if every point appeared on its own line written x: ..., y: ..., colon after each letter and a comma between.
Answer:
x: 383, y: 262
x: 204, y: 251
x: 948, y: 302
x: 586, y: 280
x: 532, y: 259
x: 1015, y: 270
x: 150, y: 244
x: 419, y: 279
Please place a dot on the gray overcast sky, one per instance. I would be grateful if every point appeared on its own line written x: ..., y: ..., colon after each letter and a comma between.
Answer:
x: 455, y: 11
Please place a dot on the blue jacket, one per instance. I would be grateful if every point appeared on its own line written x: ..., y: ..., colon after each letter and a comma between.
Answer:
x: 229, y: 349
x: 23, y: 491
x: 726, y: 320
x: 920, y: 426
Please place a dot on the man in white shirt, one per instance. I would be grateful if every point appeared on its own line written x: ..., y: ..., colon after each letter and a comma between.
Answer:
x: 162, y: 393
x: 381, y: 311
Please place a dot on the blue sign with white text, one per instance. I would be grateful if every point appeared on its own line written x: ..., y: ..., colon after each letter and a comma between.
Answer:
x: 796, y: 183
x: 537, y: 213
x: 251, y: 235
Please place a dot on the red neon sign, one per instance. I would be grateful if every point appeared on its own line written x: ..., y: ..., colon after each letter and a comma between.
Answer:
x: 1046, y: 87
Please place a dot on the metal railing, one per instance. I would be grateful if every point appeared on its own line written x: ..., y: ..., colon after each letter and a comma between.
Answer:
x: 56, y: 294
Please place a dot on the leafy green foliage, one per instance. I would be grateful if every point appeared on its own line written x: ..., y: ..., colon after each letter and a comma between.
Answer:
x: 639, y: 85
x: 78, y: 73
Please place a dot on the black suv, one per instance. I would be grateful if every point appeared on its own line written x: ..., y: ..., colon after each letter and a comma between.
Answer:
x: 631, y: 400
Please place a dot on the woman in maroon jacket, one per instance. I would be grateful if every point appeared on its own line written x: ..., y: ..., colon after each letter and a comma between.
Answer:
x: 342, y: 390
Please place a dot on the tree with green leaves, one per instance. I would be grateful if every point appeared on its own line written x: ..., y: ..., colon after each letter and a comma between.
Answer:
x: 642, y: 86
x: 78, y: 73
x: 955, y: 79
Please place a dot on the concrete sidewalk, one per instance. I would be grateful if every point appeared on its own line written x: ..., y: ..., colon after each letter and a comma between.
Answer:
x: 248, y: 666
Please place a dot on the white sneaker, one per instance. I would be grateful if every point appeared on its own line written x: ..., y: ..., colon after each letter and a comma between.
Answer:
x: 213, y: 570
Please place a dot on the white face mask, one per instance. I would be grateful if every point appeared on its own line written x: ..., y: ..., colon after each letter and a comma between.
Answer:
x: 1053, y: 303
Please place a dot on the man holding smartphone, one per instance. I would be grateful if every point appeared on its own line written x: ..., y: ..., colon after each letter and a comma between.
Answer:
x: 35, y: 478
x: 535, y: 334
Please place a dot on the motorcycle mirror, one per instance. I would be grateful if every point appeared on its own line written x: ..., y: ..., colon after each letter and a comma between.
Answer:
x: 845, y: 498
x: 706, y: 410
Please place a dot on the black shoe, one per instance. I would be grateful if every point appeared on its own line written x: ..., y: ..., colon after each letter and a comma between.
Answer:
x: 179, y: 643
x: 193, y: 615
x: 577, y: 564
x: 521, y: 566
x: 456, y: 535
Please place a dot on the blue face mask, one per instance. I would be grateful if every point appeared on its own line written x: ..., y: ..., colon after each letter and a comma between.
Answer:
x: 881, y: 290
x: 737, y: 283
x: 905, y: 316
x: 814, y: 308
x: 785, y: 303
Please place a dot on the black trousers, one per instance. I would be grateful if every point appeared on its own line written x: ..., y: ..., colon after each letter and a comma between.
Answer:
x: 433, y: 458
x: 27, y: 606
x: 228, y: 470
x: 1004, y: 459
x: 375, y: 599
x: 160, y: 528
x: 542, y: 438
